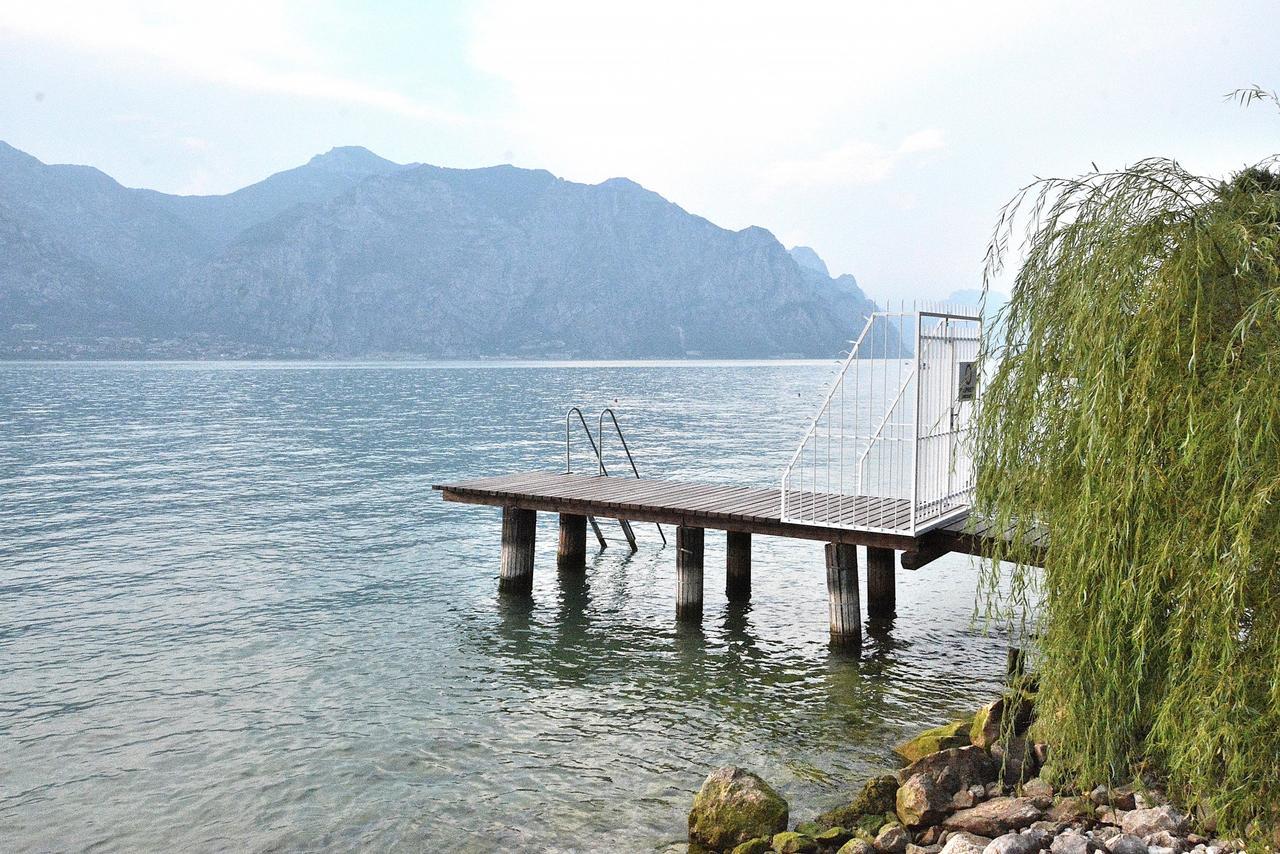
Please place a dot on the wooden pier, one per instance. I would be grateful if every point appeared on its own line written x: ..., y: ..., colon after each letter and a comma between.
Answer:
x: 693, y: 507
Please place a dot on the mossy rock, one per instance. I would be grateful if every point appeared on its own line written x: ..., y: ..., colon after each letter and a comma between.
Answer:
x: 879, y: 795
x: 790, y: 842
x: 759, y: 845
x: 832, y: 837
x: 989, y: 725
x: 735, y: 806
x: 809, y: 828
x: 869, y: 825
x: 945, y: 737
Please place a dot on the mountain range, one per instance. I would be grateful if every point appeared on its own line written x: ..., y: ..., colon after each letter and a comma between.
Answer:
x: 354, y: 256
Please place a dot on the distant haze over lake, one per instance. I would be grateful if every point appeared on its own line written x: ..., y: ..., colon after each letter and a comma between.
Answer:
x: 351, y: 255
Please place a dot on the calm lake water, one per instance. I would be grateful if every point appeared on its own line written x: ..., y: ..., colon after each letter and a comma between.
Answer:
x: 233, y: 615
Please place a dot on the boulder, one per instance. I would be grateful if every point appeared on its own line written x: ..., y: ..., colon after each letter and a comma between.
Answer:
x: 790, y: 842
x: 929, y: 784
x: 1071, y: 842
x: 1013, y: 843
x: 1126, y: 843
x: 995, y: 817
x: 1016, y: 761
x: 892, y: 839
x: 965, y: 843
x: 856, y: 846
x: 1052, y: 828
x: 1071, y: 810
x: 734, y: 806
x: 1111, y: 815
x: 954, y: 734
x: 1165, y: 839
x: 759, y: 845
x: 924, y: 849
x: 1010, y: 714
x: 877, y: 797
x: 1121, y: 797
x: 1039, y: 791
x: 832, y: 837
x: 1143, y: 823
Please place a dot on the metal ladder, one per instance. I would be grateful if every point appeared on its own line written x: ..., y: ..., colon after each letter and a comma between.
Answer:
x: 598, y: 449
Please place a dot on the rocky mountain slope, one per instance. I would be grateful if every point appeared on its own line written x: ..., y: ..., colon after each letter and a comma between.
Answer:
x: 351, y: 255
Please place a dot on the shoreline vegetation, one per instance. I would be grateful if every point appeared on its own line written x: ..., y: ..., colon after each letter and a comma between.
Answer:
x: 978, y: 785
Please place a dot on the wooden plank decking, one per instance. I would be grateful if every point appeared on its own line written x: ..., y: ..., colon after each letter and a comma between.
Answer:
x: 718, y: 506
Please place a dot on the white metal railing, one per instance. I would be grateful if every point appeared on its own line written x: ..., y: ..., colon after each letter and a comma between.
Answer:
x: 888, y: 448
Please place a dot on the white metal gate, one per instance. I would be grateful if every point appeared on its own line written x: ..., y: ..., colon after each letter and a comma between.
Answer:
x: 889, y: 448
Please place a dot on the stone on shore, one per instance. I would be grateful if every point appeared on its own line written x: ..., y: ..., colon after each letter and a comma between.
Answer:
x: 1010, y: 714
x: 929, y: 784
x: 954, y: 734
x: 965, y: 843
x: 878, y: 796
x: 856, y: 846
x: 1071, y: 842
x: 734, y: 806
x: 759, y: 845
x: 1071, y: 811
x: 790, y: 842
x: 892, y: 839
x: 995, y: 817
x: 1144, y: 822
x: 1013, y: 843
x: 1126, y: 843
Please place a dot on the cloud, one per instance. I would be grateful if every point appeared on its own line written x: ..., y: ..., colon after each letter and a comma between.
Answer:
x: 855, y: 162
x: 253, y: 46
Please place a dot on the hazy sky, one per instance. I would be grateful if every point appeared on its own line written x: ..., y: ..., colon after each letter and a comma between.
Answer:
x: 885, y: 135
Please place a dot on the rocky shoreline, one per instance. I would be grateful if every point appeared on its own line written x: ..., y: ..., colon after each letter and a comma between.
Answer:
x: 969, y: 787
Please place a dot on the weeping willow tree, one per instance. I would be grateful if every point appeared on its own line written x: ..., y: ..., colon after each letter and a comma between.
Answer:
x: 1134, y: 409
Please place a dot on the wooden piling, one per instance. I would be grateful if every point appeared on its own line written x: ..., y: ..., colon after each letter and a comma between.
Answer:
x: 842, y: 593
x: 571, y: 555
x: 737, y: 564
x: 689, y: 542
x: 881, y: 590
x: 519, y: 529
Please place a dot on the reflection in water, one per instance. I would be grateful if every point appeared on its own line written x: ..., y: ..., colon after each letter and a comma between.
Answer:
x: 233, y: 614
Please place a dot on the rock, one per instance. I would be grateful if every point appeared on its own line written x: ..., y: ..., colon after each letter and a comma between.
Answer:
x: 979, y: 793
x: 759, y: 845
x: 1111, y: 815
x: 1071, y: 811
x: 1165, y: 839
x: 930, y: 836
x: 1071, y: 842
x: 963, y: 799
x: 734, y: 806
x: 965, y: 843
x: 994, y: 817
x: 1013, y: 843
x: 1041, y: 751
x: 790, y: 842
x: 878, y: 796
x: 1126, y: 843
x: 1144, y: 822
x: 989, y: 723
x: 1053, y: 828
x: 1039, y: 834
x: 1104, y: 834
x: 1148, y: 798
x: 1122, y: 798
x: 832, y: 837
x: 1015, y: 760
x: 929, y: 784
x: 856, y: 846
x: 993, y: 789
x: 1156, y: 849
x: 923, y: 849
x: 954, y: 734
x: 892, y: 839
x: 1039, y: 791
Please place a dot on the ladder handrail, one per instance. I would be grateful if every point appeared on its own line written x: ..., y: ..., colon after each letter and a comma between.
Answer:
x: 568, y: 464
x: 618, y: 429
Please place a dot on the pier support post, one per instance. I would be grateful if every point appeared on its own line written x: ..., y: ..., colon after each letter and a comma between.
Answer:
x: 519, y: 529
x: 881, y: 592
x: 842, y: 593
x: 737, y: 564
x: 572, y: 552
x: 689, y: 543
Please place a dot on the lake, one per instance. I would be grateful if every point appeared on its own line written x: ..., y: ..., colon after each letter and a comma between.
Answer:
x: 234, y: 615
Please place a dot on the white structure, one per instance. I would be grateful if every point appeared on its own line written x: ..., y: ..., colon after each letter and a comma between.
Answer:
x: 888, y: 449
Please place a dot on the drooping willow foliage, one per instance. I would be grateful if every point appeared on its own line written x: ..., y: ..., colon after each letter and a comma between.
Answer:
x: 1133, y: 408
